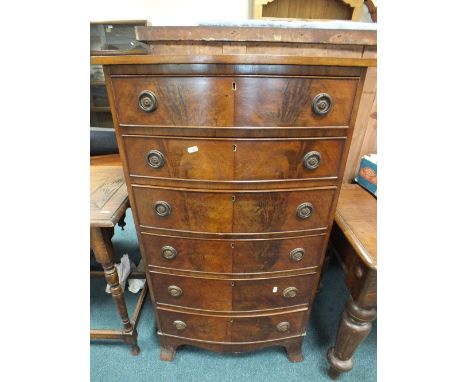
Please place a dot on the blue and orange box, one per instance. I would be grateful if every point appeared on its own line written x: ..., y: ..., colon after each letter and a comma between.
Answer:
x: 367, y: 174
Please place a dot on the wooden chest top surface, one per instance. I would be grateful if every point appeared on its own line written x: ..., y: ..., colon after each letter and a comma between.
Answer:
x: 249, y: 45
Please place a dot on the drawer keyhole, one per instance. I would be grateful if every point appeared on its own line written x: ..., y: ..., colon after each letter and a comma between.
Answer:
x: 233, y: 198
x: 234, y: 147
x: 234, y: 86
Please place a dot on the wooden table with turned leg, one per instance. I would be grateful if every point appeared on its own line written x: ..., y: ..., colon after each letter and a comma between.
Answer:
x: 108, y: 203
x: 354, y: 240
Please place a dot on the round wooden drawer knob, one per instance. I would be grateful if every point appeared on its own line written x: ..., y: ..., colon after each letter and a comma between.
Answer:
x: 322, y: 104
x: 162, y: 208
x: 179, y: 325
x: 168, y: 252
x: 174, y: 291
x: 296, y: 254
x: 147, y: 101
x: 283, y: 326
x: 304, y: 210
x: 290, y: 292
x: 312, y: 160
x: 155, y: 159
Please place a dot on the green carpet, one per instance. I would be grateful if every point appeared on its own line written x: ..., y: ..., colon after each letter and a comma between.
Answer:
x: 112, y: 360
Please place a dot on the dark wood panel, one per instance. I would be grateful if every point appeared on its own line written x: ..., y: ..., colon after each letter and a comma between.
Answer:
x: 276, y: 211
x: 212, y: 160
x: 199, y: 327
x: 255, y: 101
x: 236, y: 159
x: 278, y: 159
x: 181, y: 101
x: 192, y: 254
x: 236, y: 211
x: 233, y: 294
x: 232, y: 256
x: 192, y: 211
x: 228, y: 328
x: 268, y: 293
x: 197, y: 293
x: 264, y: 328
x: 274, y: 255
x: 288, y: 101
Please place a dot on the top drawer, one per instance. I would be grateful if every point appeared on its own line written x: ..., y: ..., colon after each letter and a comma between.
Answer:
x: 179, y: 101
x: 294, y: 101
x: 234, y: 101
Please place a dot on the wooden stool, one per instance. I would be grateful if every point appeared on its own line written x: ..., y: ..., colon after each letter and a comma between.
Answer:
x: 354, y: 241
x: 109, y: 201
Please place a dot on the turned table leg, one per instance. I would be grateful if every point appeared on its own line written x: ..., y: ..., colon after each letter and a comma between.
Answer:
x: 355, y: 325
x: 102, y: 248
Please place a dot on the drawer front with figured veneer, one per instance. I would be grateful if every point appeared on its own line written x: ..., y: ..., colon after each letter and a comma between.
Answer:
x: 234, y: 101
x: 226, y: 328
x: 174, y: 101
x: 236, y: 211
x: 195, y: 326
x: 294, y: 101
x: 257, y: 294
x: 268, y: 327
x: 192, y: 292
x: 233, y: 159
x: 233, y: 294
x: 232, y: 256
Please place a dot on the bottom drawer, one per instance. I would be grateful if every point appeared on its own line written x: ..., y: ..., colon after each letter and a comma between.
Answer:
x: 232, y: 328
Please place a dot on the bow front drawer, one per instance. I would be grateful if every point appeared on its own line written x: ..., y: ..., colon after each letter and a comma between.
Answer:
x: 234, y: 159
x: 294, y: 101
x: 232, y: 328
x: 234, y: 101
x: 233, y: 211
x: 174, y: 101
x: 232, y: 256
x: 233, y: 294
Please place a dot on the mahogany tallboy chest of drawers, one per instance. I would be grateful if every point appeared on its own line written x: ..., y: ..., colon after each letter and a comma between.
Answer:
x: 234, y: 142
